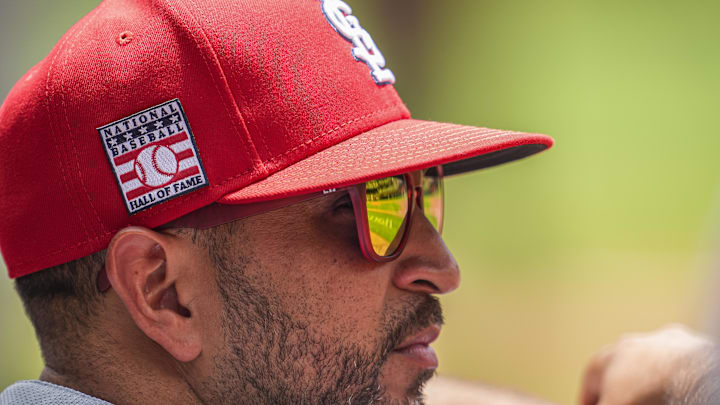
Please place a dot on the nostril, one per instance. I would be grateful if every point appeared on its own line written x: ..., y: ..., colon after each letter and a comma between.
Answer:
x: 428, y: 284
x: 124, y: 38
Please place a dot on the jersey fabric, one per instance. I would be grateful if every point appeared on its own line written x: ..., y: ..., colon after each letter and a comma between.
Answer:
x: 37, y: 392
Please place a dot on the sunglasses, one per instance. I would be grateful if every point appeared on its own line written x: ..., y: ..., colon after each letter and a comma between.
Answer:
x: 383, y: 210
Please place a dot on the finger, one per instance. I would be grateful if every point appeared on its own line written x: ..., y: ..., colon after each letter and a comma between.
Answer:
x: 591, y: 388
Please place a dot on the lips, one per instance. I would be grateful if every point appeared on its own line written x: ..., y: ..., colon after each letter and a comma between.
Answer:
x: 416, y: 348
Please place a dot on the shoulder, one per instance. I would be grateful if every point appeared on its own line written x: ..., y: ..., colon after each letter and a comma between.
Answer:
x: 44, y: 393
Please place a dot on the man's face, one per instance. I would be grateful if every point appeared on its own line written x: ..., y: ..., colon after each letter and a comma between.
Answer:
x: 307, y: 319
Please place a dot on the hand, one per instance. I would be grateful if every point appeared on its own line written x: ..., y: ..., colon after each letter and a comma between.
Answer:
x: 668, y: 367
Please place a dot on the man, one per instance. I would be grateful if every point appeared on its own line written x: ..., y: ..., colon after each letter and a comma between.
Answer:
x: 240, y: 211
x: 227, y: 202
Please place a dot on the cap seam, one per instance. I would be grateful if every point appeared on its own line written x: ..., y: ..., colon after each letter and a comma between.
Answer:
x: 237, y: 107
x: 238, y: 114
x: 54, y: 129
x: 71, y: 142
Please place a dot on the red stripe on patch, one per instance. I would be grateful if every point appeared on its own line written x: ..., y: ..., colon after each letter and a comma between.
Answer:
x: 187, y: 173
x: 190, y: 171
x: 131, y: 195
x: 128, y: 176
x: 182, y: 155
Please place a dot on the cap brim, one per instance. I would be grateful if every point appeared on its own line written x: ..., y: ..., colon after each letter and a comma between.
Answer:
x: 394, y: 148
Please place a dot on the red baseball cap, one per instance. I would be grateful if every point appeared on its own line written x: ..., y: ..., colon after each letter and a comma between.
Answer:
x: 145, y: 111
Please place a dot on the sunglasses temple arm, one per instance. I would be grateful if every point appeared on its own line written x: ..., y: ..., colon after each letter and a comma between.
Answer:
x: 218, y: 214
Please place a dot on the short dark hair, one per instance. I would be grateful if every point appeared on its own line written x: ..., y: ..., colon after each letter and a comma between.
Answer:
x: 61, y: 301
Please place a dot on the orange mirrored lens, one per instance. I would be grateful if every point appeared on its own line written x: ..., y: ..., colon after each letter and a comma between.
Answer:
x: 387, y: 206
x: 433, y: 196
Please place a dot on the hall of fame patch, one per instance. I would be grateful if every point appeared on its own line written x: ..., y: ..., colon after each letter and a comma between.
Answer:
x: 153, y: 155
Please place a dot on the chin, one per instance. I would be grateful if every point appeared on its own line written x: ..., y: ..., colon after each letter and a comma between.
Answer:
x: 403, y: 383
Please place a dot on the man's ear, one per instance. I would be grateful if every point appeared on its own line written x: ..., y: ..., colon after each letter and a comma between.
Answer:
x: 142, y: 266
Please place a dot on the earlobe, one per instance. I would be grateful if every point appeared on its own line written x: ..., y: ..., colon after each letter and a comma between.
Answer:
x: 144, y: 278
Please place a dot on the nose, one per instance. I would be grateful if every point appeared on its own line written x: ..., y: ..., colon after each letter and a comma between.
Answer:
x: 426, y: 265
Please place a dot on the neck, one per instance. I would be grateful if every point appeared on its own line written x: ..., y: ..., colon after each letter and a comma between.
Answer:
x: 125, y: 388
x: 120, y: 376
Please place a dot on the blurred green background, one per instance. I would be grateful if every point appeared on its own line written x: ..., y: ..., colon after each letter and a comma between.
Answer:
x: 611, y: 231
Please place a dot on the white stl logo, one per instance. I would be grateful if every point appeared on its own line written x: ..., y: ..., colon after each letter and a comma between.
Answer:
x: 153, y: 155
x: 338, y: 14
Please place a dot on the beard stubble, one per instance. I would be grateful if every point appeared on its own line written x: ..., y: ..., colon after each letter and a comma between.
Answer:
x: 274, y: 359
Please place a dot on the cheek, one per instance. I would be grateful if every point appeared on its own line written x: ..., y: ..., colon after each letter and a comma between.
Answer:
x: 321, y: 279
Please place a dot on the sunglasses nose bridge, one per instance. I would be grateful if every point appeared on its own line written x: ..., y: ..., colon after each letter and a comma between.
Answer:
x: 418, y: 197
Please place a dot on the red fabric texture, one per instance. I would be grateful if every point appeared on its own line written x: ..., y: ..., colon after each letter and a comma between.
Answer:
x: 394, y: 148
x: 264, y: 84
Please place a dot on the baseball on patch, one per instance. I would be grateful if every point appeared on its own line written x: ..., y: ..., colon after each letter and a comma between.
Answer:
x: 156, y: 165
